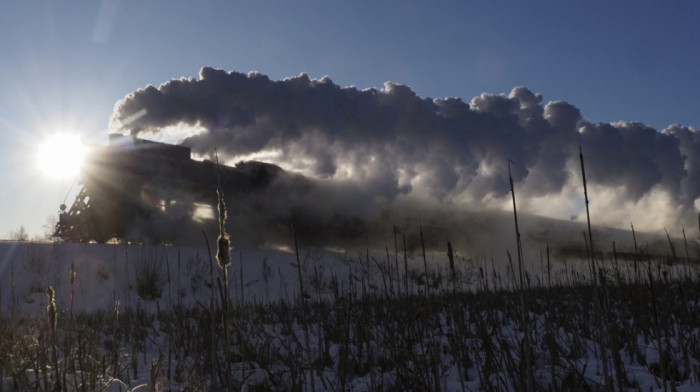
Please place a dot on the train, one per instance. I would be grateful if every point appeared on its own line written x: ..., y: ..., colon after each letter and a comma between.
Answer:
x: 146, y: 191
x: 141, y: 191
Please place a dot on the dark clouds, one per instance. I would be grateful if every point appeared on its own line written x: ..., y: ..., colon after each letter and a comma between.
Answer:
x: 390, y: 143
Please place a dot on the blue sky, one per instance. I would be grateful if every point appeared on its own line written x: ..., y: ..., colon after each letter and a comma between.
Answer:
x: 64, y: 65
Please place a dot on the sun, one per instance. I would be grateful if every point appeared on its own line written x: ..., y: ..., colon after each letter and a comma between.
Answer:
x: 60, y: 156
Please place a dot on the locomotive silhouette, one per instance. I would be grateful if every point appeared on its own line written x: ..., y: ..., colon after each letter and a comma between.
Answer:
x: 140, y: 190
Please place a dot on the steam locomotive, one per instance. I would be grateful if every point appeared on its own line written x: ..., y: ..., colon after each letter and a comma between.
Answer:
x: 140, y: 190
x: 136, y: 190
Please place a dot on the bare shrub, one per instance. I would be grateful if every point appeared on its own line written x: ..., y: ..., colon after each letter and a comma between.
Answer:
x: 149, y: 276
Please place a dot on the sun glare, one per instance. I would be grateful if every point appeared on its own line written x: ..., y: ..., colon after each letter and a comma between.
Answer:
x: 61, y: 155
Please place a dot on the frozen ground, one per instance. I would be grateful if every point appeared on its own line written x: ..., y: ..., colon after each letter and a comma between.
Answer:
x: 106, y: 274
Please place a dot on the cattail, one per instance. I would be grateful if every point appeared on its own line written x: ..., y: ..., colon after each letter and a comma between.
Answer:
x: 53, y: 320
x: 451, y: 256
x: 223, y: 258
x: 223, y: 244
x: 51, y: 308
x: 223, y: 252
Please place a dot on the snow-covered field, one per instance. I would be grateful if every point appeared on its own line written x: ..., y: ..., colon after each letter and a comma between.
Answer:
x: 154, y: 318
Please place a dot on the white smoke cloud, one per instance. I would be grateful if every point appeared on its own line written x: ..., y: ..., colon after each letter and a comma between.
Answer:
x: 386, y: 145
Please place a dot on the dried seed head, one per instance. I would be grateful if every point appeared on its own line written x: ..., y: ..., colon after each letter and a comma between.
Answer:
x: 450, y: 256
x: 223, y: 244
x: 51, y: 308
x: 223, y: 251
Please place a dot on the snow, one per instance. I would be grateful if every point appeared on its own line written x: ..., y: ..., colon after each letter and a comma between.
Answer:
x: 107, y: 277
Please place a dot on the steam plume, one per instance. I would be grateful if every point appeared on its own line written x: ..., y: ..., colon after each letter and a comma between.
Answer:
x: 392, y: 148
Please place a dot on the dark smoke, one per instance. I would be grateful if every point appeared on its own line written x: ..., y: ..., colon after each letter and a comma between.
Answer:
x: 389, y: 149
